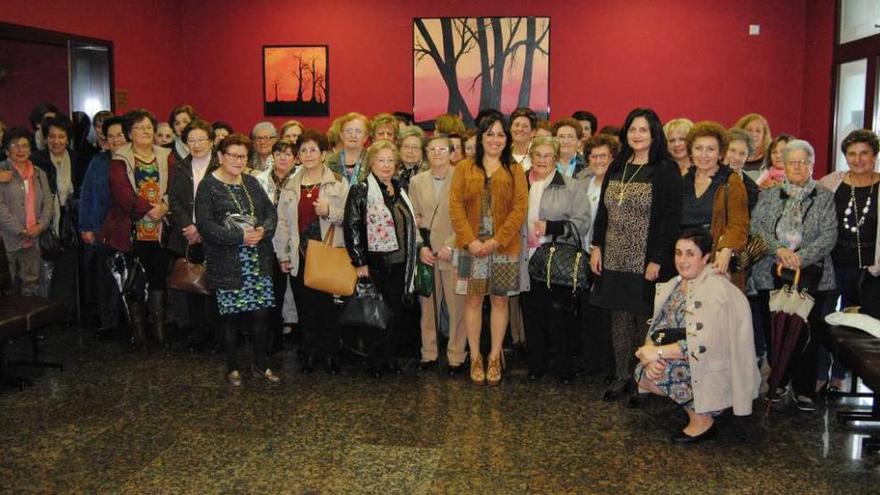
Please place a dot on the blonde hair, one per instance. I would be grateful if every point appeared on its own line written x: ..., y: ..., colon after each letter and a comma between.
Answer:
x: 681, y: 125
x: 449, y: 124
x: 748, y: 119
x: 378, y: 146
x: 545, y: 140
x: 350, y: 116
x: 411, y: 131
x: 383, y: 119
x: 291, y: 123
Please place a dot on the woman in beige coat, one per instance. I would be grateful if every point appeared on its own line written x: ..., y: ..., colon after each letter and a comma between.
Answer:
x: 700, y: 349
x: 429, y: 193
x: 311, y: 207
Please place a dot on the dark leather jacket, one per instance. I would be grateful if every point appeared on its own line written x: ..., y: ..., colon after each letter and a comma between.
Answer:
x: 354, y: 227
x: 182, y: 201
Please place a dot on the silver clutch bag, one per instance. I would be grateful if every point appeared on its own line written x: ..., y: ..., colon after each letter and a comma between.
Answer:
x: 240, y: 221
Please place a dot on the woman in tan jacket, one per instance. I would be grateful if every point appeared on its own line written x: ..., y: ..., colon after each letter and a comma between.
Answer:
x: 487, y: 206
x: 714, y: 197
x: 700, y: 349
x: 311, y: 207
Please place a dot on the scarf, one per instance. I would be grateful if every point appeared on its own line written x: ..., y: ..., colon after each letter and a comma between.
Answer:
x: 63, y: 180
x: 355, y: 171
x: 180, y: 148
x: 381, y: 235
x: 790, y: 228
x: 536, y: 192
x: 26, y: 172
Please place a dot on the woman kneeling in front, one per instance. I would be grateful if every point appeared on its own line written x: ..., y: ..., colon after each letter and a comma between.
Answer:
x: 700, y: 350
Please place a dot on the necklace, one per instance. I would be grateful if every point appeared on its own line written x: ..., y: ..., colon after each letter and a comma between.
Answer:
x: 310, y: 189
x: 235, y: 200
x: 852, y: 208
x: 625, y: 183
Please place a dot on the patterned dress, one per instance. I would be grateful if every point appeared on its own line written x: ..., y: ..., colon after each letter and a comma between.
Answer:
x: 675, y: 381
x: 146, y: 178
x: 256, y: 291
x: 495, y: 274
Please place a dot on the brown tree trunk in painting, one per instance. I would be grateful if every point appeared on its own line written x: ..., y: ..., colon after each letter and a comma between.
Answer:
x: 446, y: 65
x: 486, y: 76
x: 499, y: 56
x: 525, y: 87
x: 298, y: 75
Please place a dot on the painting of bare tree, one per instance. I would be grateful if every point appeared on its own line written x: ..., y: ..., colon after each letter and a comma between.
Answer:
x: 464, y: 64
x: 296, y: 80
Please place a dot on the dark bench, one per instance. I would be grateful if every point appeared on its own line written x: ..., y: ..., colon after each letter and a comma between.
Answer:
x: 860, y: 352
x: 24, y: 317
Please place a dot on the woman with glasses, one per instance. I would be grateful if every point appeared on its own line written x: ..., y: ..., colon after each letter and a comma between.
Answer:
x: 798, y: 221
x: 411, y: 141
x: 311, y: 204
x: 140, y: 174
x: 263, y: 138
x: 237, y: 220
x: 354, y: 129
x: 184, y: 239
x: 25, y: 210
x: 568, y: 133
x: 273, y: 181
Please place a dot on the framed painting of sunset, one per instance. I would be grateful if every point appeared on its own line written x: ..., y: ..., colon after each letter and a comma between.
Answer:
x: 296, y: 80
x: 462, y: 65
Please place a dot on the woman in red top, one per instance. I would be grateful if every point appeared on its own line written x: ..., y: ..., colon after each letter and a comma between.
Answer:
x: 311, y: 203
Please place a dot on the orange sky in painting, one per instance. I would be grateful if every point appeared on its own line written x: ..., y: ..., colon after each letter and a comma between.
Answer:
x: 431, y: 94
x: 281, y: 62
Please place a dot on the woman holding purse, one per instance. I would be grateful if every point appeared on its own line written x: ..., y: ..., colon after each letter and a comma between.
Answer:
x: 556, y: 201
x: 236, y: 221
x: 311, y: 207
x: 381, y: 239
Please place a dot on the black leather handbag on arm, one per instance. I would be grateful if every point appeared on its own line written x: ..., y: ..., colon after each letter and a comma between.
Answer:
x: 562, y: 264
x: 366, y: 308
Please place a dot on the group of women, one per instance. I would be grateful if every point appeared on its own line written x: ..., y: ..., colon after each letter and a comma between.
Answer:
x: 663, y: 214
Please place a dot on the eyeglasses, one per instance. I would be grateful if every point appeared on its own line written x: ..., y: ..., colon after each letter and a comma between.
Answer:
x: 410, y: 148
x: 543, y: 156
x: 20, y: 146
x: 116, y: 136
x: 798, y: 163
x: 236, y: 158
x: 353, y: 132
x: 438, y: 150
x: 600, y: 157
x: 264, y: 138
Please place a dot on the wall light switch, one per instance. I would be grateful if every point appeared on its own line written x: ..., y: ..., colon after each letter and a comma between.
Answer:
x: 754, y: 29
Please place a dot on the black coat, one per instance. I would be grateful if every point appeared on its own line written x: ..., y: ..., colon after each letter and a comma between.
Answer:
x: 182, y: 202
x: 77, y: 171
x: 213, y: 202
x: 354, y: 226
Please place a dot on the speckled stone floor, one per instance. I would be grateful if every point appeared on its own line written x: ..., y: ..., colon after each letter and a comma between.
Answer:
x: 166, y: 423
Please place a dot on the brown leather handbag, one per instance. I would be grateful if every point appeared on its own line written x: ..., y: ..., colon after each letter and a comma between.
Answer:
x: 328, y: 268
x: 188, y: 276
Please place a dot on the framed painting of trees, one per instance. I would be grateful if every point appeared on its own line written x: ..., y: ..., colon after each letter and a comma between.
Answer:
x: 296, y: 80
x: 464, y: 64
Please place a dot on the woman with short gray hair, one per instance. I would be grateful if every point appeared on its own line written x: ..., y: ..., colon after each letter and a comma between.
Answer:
x: 264, y: 137
x: 799, y: 224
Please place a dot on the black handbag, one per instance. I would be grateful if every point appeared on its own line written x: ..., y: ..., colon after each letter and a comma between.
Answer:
x: 50, y: 246
x: 366, y: 308
x: 68, y: 232
x: 666, y: 336
x: 129, y: 274
x: 562, y: 264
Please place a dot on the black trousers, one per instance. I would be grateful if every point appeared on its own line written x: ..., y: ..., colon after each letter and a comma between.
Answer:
x: 276, y: 314
x: 596, y: 330
x: 801, y: 370
x: 256, y: 321
x: 317, y: 317
x: 382, y: 347
x: 551, y: 328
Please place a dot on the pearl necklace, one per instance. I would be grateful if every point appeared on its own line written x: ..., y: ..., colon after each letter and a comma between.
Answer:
x: 852, y: 209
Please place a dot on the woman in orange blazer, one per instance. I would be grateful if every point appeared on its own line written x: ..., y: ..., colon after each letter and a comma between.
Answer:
x: 488, y: 200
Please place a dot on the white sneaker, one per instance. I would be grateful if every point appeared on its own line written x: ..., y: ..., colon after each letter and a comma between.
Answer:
x: 234, y: 378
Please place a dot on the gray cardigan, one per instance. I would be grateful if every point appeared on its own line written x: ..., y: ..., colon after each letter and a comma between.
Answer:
x: 820, y: 233
x: 12, y: 214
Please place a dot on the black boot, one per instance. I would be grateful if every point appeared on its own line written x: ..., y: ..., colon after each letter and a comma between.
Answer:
x: 156, y: 308
x: 136, y: 322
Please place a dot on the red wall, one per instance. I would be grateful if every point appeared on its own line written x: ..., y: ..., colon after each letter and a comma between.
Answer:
x: 37, y: 73
x: 690, y: 58
x: 144, y: 34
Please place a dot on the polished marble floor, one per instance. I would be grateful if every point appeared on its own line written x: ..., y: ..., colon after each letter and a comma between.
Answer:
x: 165, y: 422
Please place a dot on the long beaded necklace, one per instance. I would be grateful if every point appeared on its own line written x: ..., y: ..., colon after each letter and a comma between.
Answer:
x: 625, y: 183
x: 852, y: 208
x: 235, y: 200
